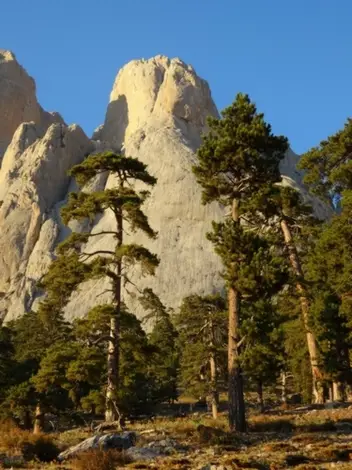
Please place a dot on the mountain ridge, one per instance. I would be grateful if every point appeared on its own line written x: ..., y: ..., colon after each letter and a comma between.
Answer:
x: 157, y: 113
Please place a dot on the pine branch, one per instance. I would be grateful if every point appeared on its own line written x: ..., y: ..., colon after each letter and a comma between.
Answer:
x: 100, y: 340
x: 103, y: 232
x: 98, y: 252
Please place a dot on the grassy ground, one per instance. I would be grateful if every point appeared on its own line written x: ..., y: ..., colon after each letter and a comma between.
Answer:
x: 299, y: 438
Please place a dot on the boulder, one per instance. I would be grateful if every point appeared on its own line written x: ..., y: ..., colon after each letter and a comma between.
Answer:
x: 120, y: 441
x: 137, y: 454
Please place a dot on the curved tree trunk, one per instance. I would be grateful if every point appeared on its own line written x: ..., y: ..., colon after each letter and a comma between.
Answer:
x: 237, y: 416
x: 318, y: 391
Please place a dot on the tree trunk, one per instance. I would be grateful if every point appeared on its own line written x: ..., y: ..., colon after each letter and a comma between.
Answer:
x: 237, y: 416
x: 38, y: 420
x: 338, y: 391
x: 214, y: 396
x: 27, y: 420
x: 260, y: 396
x: 348, y: 392
x: 284, y: 387
x: 318, y: 392
x: 111, y: 408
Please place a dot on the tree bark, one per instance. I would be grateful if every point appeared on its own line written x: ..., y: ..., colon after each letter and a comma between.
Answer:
x: 27, y: 420
x: 338, y: 391
x: 112, y: 413
x: 237, y: 417
x: 318, y: 391
x: 284, y: 387
x: 38, y: 420
x: 214, y: 396
x: 260, y: 396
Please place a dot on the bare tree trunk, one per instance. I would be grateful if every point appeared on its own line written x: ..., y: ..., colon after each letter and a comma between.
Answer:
x: 237, y: 416
x: 338, y: 389
x: 213, y: 375
x: 260, y: 396
x: 283, y: 387
x: 38, y: 420
x: 318, y: 392
x: 111, y: 408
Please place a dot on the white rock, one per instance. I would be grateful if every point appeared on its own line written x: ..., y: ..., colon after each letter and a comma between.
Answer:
x: 34, y: 181
x: 119, y: 441
x: 18, y: 102
x: 157, y: 113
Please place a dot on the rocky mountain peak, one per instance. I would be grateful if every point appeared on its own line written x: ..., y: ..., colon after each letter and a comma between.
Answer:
x: 157, y: 113
x: 18, y: 101
x: 158, y: 91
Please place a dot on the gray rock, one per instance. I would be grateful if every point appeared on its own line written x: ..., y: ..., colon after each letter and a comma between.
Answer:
x: 343, y: 427
x: 121, y: 441
x: 142, y: 453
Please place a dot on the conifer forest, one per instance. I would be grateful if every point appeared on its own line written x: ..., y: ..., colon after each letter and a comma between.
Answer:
x: 277, y: 336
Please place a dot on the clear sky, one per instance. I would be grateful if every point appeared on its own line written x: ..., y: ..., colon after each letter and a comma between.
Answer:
x: 293, y: 57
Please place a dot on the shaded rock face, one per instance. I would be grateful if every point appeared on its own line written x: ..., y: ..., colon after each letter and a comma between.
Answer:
x: 157, y: 113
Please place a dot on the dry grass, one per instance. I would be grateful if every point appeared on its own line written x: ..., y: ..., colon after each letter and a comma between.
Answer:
x: 100, y: 460
x: 14, y: 440
x: 281, y: 439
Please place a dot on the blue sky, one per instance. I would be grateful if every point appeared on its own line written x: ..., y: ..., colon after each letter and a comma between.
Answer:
x: 293, y: 57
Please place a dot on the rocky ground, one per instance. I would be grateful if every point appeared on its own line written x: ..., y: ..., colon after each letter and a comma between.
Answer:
x: 300, y: 438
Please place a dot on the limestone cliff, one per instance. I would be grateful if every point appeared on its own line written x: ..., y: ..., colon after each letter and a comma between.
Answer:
x: 18, y: 102
x: 157, y: 112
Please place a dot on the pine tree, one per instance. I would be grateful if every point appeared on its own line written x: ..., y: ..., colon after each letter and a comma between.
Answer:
x: 328, y: 169
x: 239, y: 157
x: 125, y: 203
x: 329, y: 269
x: 6, y: 360
x: 163, y: 338
x: 262, y: 358
x: 202, y: 337
x: 328, y: 166
x: 296, y: 222
x: 32, y: 335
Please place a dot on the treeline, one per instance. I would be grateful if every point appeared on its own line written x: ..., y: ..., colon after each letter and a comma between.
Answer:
x: 286, y: 316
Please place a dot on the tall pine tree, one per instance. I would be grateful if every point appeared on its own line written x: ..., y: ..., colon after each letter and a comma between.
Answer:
x: 238, y: 157
x: 125, y: 203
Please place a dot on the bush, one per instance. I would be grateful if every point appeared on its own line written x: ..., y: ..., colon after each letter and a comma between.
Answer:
x: 39, y: 447
x: 267, y: 425
x: 99, y: 460
x: 31, y: 446
x: 11, y: 436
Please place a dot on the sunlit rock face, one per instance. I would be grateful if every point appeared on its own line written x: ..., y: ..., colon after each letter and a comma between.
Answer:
x: 157, y: 113
x: 18, y: 101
